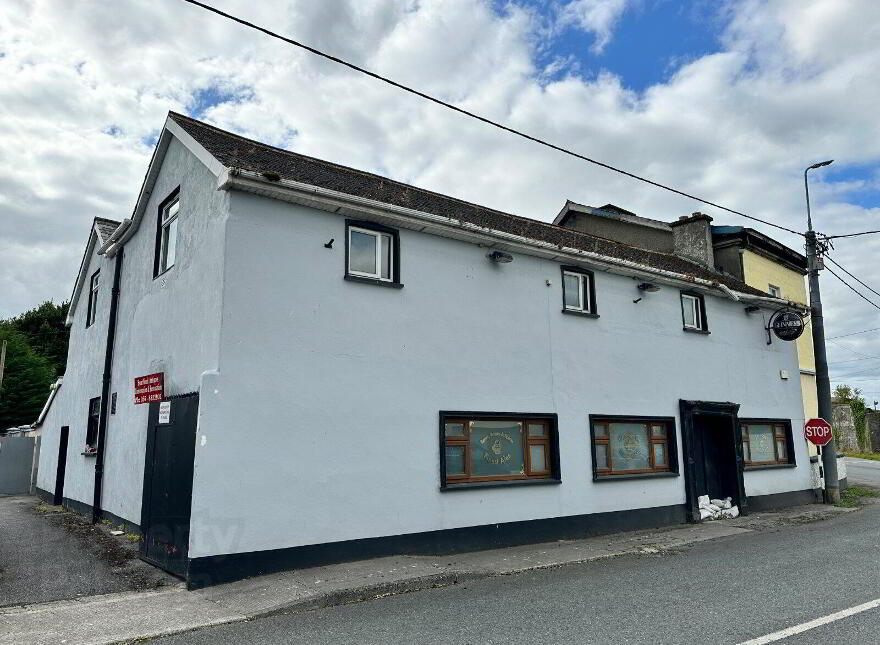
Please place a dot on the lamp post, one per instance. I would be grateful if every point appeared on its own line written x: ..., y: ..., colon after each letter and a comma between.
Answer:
x: 823, y: 383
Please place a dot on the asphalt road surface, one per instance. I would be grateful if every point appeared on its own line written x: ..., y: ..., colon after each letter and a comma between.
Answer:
x: 863, y: 471
x: 732, y: 590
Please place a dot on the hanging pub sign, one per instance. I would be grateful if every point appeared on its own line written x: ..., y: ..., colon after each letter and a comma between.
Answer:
x: 149, y: 388
x: 787, y: 324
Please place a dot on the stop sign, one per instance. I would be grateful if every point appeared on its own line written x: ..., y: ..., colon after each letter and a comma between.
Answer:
x: 818, y: 431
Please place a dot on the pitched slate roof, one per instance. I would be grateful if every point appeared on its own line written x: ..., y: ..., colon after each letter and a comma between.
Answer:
x: 105, y: 227
x: 234, y: 151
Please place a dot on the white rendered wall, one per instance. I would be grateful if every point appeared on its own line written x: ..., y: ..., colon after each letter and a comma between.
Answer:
x: 322, y: 424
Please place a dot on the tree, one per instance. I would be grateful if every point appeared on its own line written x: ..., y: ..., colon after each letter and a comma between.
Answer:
x: 26, y: 381
x: 45, y: 331
x: 853, y: 396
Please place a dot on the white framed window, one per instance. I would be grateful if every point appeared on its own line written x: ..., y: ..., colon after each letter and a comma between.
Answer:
x: 167, y: 252
x: 692, y: 312
x: 774, y: 291
x: 92, y: 311
x: 371, y: 254
x: 577, y: 291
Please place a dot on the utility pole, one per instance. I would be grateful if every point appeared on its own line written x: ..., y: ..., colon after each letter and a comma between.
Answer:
x: 2, y: 364
x: 823, y: 382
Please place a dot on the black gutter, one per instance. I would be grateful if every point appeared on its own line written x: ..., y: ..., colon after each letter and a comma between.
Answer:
x: 105, y: 389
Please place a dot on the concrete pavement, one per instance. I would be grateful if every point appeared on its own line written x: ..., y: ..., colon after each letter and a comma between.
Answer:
x: 862, y: 471
x: 120, y: 617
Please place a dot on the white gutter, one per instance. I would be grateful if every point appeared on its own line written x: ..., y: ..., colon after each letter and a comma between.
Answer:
x: 236, y: 178
x: 53, y: 390
x: 123, y: 226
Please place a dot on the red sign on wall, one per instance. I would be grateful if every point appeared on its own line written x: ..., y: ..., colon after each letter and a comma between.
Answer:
x: 149, y: 388
x: 818, y: 431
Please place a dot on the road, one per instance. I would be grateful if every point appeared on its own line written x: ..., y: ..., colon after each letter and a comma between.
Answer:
x: 862, y: 471
x: 730, y: 590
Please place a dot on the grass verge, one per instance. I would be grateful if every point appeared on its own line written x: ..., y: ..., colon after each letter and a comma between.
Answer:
x: 863, y: 455
x: 854, y: 496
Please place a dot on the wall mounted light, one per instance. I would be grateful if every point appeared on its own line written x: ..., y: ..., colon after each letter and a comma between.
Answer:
x: 649, y: 287
x: 500, y: 257
x: 752, y: 309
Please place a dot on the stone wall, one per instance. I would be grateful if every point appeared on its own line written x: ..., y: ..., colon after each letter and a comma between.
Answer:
x: 844, y: 427
x: 872, y: 430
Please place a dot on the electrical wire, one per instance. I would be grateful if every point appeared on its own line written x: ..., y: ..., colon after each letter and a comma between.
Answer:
x: 473, y: 115
x: 855, y: 333
x: 853, y: 289
x: 834, y: 237
x: 874, y: 291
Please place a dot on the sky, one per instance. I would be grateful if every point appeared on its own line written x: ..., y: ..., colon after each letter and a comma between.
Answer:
x: 726, y: 100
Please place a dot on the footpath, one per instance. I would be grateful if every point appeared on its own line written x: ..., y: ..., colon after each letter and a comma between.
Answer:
x: 134, y: 615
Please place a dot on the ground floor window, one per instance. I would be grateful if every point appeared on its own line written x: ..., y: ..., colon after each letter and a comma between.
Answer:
x: 766, y: 442
x: 496, y: 447
x: 92, y: 426
x: 633, y: 446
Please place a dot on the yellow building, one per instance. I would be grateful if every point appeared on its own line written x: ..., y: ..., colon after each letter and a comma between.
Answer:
x: 765, y: 264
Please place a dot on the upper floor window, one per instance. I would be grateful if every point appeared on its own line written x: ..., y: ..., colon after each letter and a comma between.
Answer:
x: 774, y: 291
x: 766, y: 442
x: 92, y: 311
x: 578, y: 291
x: 633, y: 446
x: 92, y: 424
x: 693, y: 312
x: 480, y: 448
x: 166, y: 238
x: 372, y: 254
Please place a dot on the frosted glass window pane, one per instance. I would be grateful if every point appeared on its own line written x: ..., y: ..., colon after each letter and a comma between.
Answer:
x: 601, y: 455
x: 746, y: 453
x: 599, y: 430
x: 761, y: 441
x: 780, y: 449
x: 658, y: 430
x: 455, y: 460
x: 386, y: 256
x: 629, y: 446
x: 538, y: 459
x: 572, y: 288
x: 537, y: 430
x: 362, y: 253
x: 454, y: 429
x: 496, y: 448
x: 659, y: 454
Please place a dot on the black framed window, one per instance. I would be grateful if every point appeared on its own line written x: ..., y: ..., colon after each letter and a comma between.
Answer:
x: 166, y: 233
x: 578, y: 292
x: 92, y: 425
x: 372, y: 253
x: 94, y: 286
x: 693, y: 312
x: 494, y: 447
x: 767, y: 442
x: 633, y: 446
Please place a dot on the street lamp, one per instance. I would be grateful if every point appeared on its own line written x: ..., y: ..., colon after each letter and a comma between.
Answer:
x: 823, y: 384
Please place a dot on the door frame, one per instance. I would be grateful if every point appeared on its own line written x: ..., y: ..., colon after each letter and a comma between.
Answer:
x: 61, y: 466
x: 689, y: 410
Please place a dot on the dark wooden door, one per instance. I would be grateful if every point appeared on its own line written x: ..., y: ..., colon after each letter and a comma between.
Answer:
x: 168, y: 475
x: 62, y: 466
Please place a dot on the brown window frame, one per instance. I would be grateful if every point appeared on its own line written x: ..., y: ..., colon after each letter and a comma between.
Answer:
x: 550, y: 441
x: 781, y: 432
x: 668, y: 469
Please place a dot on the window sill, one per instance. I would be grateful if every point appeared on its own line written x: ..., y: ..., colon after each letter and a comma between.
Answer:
x: 159, y: 275
x: 585, y: 314
x: 611, y: 478
x: 89, y: 454
x: 375, y: 281
x: 705, y: 332
x: 769, y: 467
x: 500, y: 484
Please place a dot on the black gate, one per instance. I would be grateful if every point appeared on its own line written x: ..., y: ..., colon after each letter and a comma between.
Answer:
x: 58, y: 498
x: 168, y: 476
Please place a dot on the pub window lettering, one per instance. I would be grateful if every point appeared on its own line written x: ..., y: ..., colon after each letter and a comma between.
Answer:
x: 633, y: 446
x: 497, y: 448
x: 766, y: 442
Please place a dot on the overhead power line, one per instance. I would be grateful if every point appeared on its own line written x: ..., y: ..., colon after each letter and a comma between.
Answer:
x: 473, y: 115
x: 853, y: 289
x: 853, y: 360
x: 835, y: 237
x: 855, y: 333
x: 874, y: 291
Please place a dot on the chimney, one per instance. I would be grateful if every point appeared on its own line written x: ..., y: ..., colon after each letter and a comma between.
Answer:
x: 692, y: 239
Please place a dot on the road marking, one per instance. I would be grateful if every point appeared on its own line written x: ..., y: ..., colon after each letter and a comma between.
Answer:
x: 813, y: 624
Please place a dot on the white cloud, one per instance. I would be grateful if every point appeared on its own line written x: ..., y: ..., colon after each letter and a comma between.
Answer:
x: 86, y: 87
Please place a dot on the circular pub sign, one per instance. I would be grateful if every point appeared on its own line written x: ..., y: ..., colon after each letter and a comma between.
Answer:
x: 787, y: 324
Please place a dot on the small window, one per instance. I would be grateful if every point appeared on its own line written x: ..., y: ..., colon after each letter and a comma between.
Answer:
x: 693, y: 312
x: 633, y: 446
x: 372, y: 254
x: 766, y: 442
x: 578, y: 291
x: 488, y: 448
x: 774, y: 291
x: 166, y: 239
x: 92, y: 311
x: 92, y: 426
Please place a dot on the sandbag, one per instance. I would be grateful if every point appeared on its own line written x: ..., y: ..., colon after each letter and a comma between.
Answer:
x: 730, y: 513
x: 723, y: 503
x: 705, y: 514
x: 703, y: 501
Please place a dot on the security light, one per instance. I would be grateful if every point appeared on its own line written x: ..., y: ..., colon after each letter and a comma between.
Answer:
x: 649, y: 287
x: 500, y: 257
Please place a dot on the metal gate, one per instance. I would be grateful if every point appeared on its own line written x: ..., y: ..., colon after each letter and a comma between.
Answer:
x: 168, y: 478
